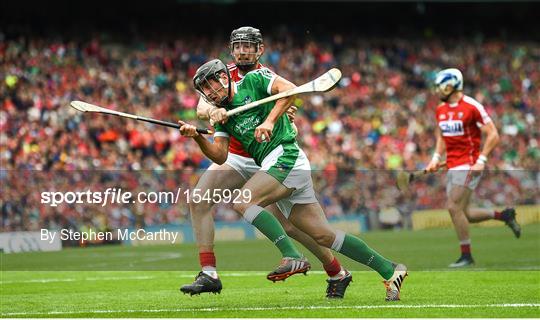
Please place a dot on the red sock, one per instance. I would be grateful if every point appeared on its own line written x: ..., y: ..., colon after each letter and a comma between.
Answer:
x: 207, y: 259
x: 465, y: 249
x: 332, y: 268
x: 497, y: 215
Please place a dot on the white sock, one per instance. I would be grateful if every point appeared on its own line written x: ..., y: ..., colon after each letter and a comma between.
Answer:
x: 210, y: 271
x: 252, y: 213
x: 340, y: 275
x: 338, y: 241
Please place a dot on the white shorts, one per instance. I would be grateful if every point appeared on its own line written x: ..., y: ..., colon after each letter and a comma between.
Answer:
x: 461, y: 176
x: 297, y: 178
x: 246, y: 167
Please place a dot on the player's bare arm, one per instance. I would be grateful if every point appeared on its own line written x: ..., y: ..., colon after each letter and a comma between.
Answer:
x: 282, y: 105
x: 439, y: 149
x: 217, y: 151
x: 492, y: 139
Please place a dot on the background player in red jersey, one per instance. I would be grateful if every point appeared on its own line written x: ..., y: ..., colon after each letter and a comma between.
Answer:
x: 461, y: 121
x: 246, y: 47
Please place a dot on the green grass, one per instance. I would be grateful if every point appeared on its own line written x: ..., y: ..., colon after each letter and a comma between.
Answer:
x: 504, y: 283
x: 493, y: 249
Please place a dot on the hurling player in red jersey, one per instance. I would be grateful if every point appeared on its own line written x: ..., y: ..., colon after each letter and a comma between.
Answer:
x: 246, y: 46
x: 462, y: 121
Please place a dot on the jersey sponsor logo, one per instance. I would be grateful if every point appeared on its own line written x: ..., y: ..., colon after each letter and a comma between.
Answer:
x: 451, y: 128
x: 248, y: 123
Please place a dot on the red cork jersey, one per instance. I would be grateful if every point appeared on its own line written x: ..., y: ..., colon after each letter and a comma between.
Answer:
x: 460, y: 125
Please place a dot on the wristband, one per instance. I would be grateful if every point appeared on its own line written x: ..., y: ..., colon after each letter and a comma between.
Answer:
x: 436, y: 156
x: 482, y: 159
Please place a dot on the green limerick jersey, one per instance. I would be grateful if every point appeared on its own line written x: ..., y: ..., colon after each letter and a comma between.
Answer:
x: 255, y: 85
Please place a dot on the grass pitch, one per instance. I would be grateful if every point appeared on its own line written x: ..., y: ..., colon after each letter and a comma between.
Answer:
x: 504, y: 283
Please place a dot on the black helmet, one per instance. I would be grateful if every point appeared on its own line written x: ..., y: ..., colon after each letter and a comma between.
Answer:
x: 246, y: 34
x: 211, y: 70
x: 250, y: 35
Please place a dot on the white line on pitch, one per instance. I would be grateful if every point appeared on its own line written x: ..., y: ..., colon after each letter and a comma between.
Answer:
x: 222, y: 274
x: 75, y: 279
x: 156, y: 276
x: 390, y: 306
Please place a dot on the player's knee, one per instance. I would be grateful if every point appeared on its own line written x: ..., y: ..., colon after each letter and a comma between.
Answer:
x: 241, y: 207
x: 324, y: 239
x: 291, y: 230
x: 454, y: 208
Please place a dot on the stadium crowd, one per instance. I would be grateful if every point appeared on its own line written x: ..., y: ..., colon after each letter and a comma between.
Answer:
x: 380, y: 118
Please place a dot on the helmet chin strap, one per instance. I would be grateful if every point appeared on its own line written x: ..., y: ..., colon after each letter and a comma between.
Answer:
x: 227, y: 86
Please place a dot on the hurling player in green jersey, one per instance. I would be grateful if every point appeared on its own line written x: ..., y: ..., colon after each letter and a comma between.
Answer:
x: 285, y: 176
x: 246, y: 47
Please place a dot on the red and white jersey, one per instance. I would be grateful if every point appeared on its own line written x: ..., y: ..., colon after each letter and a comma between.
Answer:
x: 460, y: 125
x: 234, y: 145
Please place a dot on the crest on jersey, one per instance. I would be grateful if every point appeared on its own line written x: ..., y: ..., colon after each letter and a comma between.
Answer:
x: 442, y: 116
x: 460, y: 115
x: 247, y: 100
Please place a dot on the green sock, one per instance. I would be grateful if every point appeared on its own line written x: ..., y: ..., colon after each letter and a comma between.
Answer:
x: 358, y: 250
x: 272, y: 229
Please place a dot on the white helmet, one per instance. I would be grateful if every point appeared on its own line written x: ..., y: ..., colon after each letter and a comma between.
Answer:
x: 446, y: 77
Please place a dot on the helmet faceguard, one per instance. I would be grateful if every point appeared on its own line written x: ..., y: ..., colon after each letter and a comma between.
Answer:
x: 246, y: 47
x: 209, y: 80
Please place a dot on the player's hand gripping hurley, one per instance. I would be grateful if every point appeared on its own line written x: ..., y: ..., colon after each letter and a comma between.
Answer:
x: 405, y: 178
x: 324, y: 83
x: 88, y: 107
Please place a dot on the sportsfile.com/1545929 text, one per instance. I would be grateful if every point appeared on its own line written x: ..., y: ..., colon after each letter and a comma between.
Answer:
x: 119, y: 196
